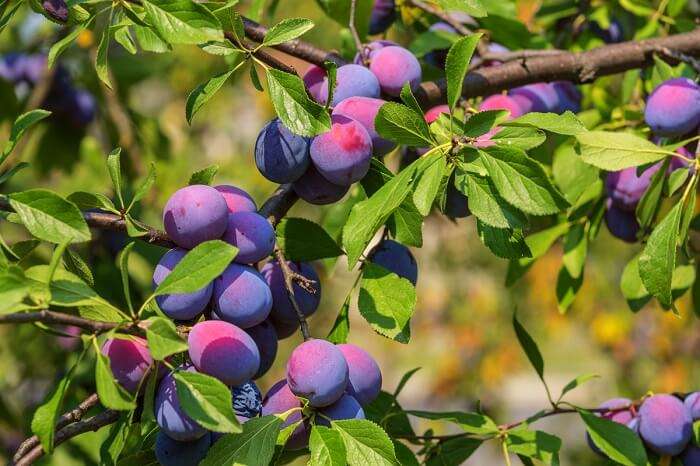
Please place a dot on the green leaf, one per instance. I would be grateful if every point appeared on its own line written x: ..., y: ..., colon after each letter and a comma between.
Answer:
x: 534, y: 444
x: 387, y: 302
x: 204, y: 176
x: 86, y: 201
x: 163, y: 339
x: 122, y: 35
x: 473, y: 8
x: 255, y: 446
x: 530, y: 347
x: 124, y: 272
x: 365, y: 442
x: 119, y: 432
x: 144, y: 187
x: 286, y: 30
x: 297, y: 111
x: 566, y: 123
x: 12, y: 171
x: 571, y: 174
x: 304, y: 240
x: 651, y: 199
x: 150, y: 40
x: 486, y: 204
x: 207, y: 401
x: 183, y: 21
x: 49, y: 217
x: 522, y: 181
x: 76, y: 265
x: 453, y: 452
x: 522, y: 137
x: 471, y: 423
x: 205, y: 91
x: 404, y: 455
x: 409, y: 99
x: 327, y: 448
x: 20, y: 126
x: 401, y: 124
x: 617, y: 441
x: 114, y: 167
x: 101, y: 65
x: 457, y: 63
x: 428, y: 181
x: 614, y: 151
x: 503, y: 242
x: 406, y: 224
x: 341, y: 326
x: 198, y: 268
x: 577, y: 382
x: 658, y: 260
x: 112, y: 395
x: 575, y: 250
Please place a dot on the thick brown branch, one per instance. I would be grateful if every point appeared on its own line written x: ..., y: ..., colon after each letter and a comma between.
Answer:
x: 288, y: 275
x: 58, y: 318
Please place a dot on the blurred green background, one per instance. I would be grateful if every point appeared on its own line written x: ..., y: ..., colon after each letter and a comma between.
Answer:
x: 462, y: 337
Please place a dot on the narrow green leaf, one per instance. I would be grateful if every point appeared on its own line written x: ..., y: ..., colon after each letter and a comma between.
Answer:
x: 205, y: 91
x: 651, y: 199
x: 101, y: 65
x: 428, y: 182
x: 617, y: 441
x: 112, y: 395
x: 207, y: 401
x: 341, y: 327
x: 613, y: 151
x: 124, y: 272
x: 457, y: 65
x: 144, y: 187
x: 473, y: 8
x: 286, y: 30
x: 529, y: 346
x: 304, y: 240
x: 471, y: 423
x: 114, y: 167
x: 255, y: 446
x: 183, y: 21
x: 19, y: 127
x: 566, y: 123
x: 486, y: 204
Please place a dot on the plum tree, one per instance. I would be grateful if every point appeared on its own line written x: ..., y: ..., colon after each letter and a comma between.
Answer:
x: 382, y: 16
x: 315, y: 189
x: 265, y: 337
x: 346, y: 407
x: 318, y: 372
x: 237, y: 200
x: 179, y: 306
x: 625, y: 188
x: 224, y: 351
x: 396, y: 258
x: 665, y: 424
x: 195, y: 214
x: 342, y: 155
x: 169, y: 414
x: 351, y: 81
x: 569, y: 96
x: 395, y: 66
x: 673, y: 108
x: 170, y: 452
x: 364, y: 110
x: 241, y: 296
x: 282, y: 309
x: 129, y: 360
x: 280, y: 155
x: 252, y: 234
x: 280, y: 399
x: 364, y: 376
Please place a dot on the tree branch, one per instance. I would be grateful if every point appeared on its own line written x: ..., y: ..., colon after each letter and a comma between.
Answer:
x: 288, y: 275
x: 58, y: 318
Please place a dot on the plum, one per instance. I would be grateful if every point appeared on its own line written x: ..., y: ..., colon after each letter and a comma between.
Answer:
x: 318, y: 372
x: 265, y: 337
x: 169, y: 415
x: 282, y: 309
x: 502, y: 102
x: 195, y: 214
x: 280, y: 399
x: 179, y: 306
x: 625, y: 417
x: 241, y: 296
x: 280, y: 155
x: 364, y: 110
x: 247, y: 400
x: 347, y: 407
x: 351, y: 80
x: 538, y: 97
x: 237, y: 200
x: 625, y: 188
x: 569, y: 96
x: 395, y: 66
x: 396, y: 258
x: 171, y: 452
x: 621, y: 223
x: 692, y: 404
x: 129, y: 360
x: 313, y: 80
x: 382, y: 16
x: 252, y: 234
x: 673, y: 108
x: 315, y: 189
x: 365, y: 378
x: 665, y: 424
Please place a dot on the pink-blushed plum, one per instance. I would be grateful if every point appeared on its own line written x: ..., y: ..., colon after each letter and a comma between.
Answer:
x: 129, y: 360
x: 280, y: 155
x: 542, y: 96
x: 252, y: 234
x: 569, y: 96
x: 282, y: 309
x: 237, y: 200
x: 364, y: 110
x: 383, y: 14
x: 691, y: 455
x: 280, y: 399
x: 265, y: 337
x: 618, y: 415
x: 395, y: 66
x: 350, y: 81
x: 318, y: 372
x: 347, y: 407
x: 284, y: 329
x: 313, y: 79
x: 179, y: 306
x: 673, y: 108
x: 342, y: 155
x: 435, y: 112
x: 241, y: 296
x: 365, y: 378
x: 665, y: 424
x: 692, y: 404
x: 195, y: 214
x: 625, y: 188
x: 224, y: 351
x: 396, y: 258
x: 171, y: 452
x: 621, y: 223
x: 502, y: 102
x: 371, y: 47
x: 315, y: 189
x: 169, y: 414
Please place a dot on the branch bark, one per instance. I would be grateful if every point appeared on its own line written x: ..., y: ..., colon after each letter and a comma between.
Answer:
x: 58, y: 318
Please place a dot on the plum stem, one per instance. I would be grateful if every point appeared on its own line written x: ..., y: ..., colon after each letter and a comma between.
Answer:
x: 354, y: 33
x: 288, y: 276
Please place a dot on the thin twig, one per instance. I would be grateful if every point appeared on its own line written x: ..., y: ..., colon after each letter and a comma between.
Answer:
x: 682, y: 57
x: 58, y: 318
x: 287, y: 274
x: 353, y: 29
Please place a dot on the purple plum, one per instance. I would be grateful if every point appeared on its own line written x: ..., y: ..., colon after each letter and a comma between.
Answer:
x: 346, y: 407
x: 673, y: 108
x: 280, y: 399
x: 395, y: 66
x: 280, y: 155
x: 351, y: 81
x: 665, y: 424
x: 265, y: 337
x: 365, y: 378
x: 195, y: 214
x: 621, y: 223
x: 364, y: 110
x: 180, y: 306
x: 282, y: 310
x: 237, y: 200
x: 318, y: 372
x: 396, y: 258
x: 252, y: 234
x: 129, y: 360
x: 171, y: 452
x: 382, y: 16
x: 241, y: 296
x: 315, y: 189
x: 169, y: 414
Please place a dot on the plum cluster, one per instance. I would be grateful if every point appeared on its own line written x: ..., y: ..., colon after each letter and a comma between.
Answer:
x: 69, y: 104
x: 324, y: 382
x: 663, y: 422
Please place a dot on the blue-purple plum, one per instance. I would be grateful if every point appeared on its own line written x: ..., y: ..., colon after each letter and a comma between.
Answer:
x: 665, y: 424
x: 280, y: 399
x: 673, y: 108
x: 315, y: 189
x: 351, y: 81
x: 623, y: 416
x: 692, y: 404
x: 171, y: 452
x: 342, y: 155
x: 195, y: 214
x: 569, y: 96
x: 313, y: 80
x: 621, y: 223
x: 456, y: 203
x: 318, y: 372
x: 364, y: 110
x: 83, y: 109
x: 241, y: 296
x: 237, y: 200
x: 437, y: 57
x: 252, y: 234
x: 502, y: 102
x: 12, y: 67
x: 625, y: 188
x: 541, y: 97
x: 382, y: 16
x: 396, y: 258
x: 180, y: 306
x: 265, y: 337
x: 224, y: 351
x: 247, y: 400
x: 364, y: 376
x: 395, y: 66
x: 169, y: 414
x: 691, y: 456
x: 282, y: 309
x: 280, y: 155
x: 347, y: 407
x: 129, y: 360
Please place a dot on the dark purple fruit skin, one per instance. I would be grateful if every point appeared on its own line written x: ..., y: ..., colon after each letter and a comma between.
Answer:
x: 171, y: 452
x: 265, y: 337
x: 129, y: 360
x: 346, y: 407
x: 195, y: 214
x: 315, y: 189
x: 280, y: 155
x: 382, y: 16
x: 56, y: 9
x: 365, y: 378
x: 396, y: 258
x: 282, y: 309
x: 280, y: 399
x: 170, y: 416
x: 621, y: 223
